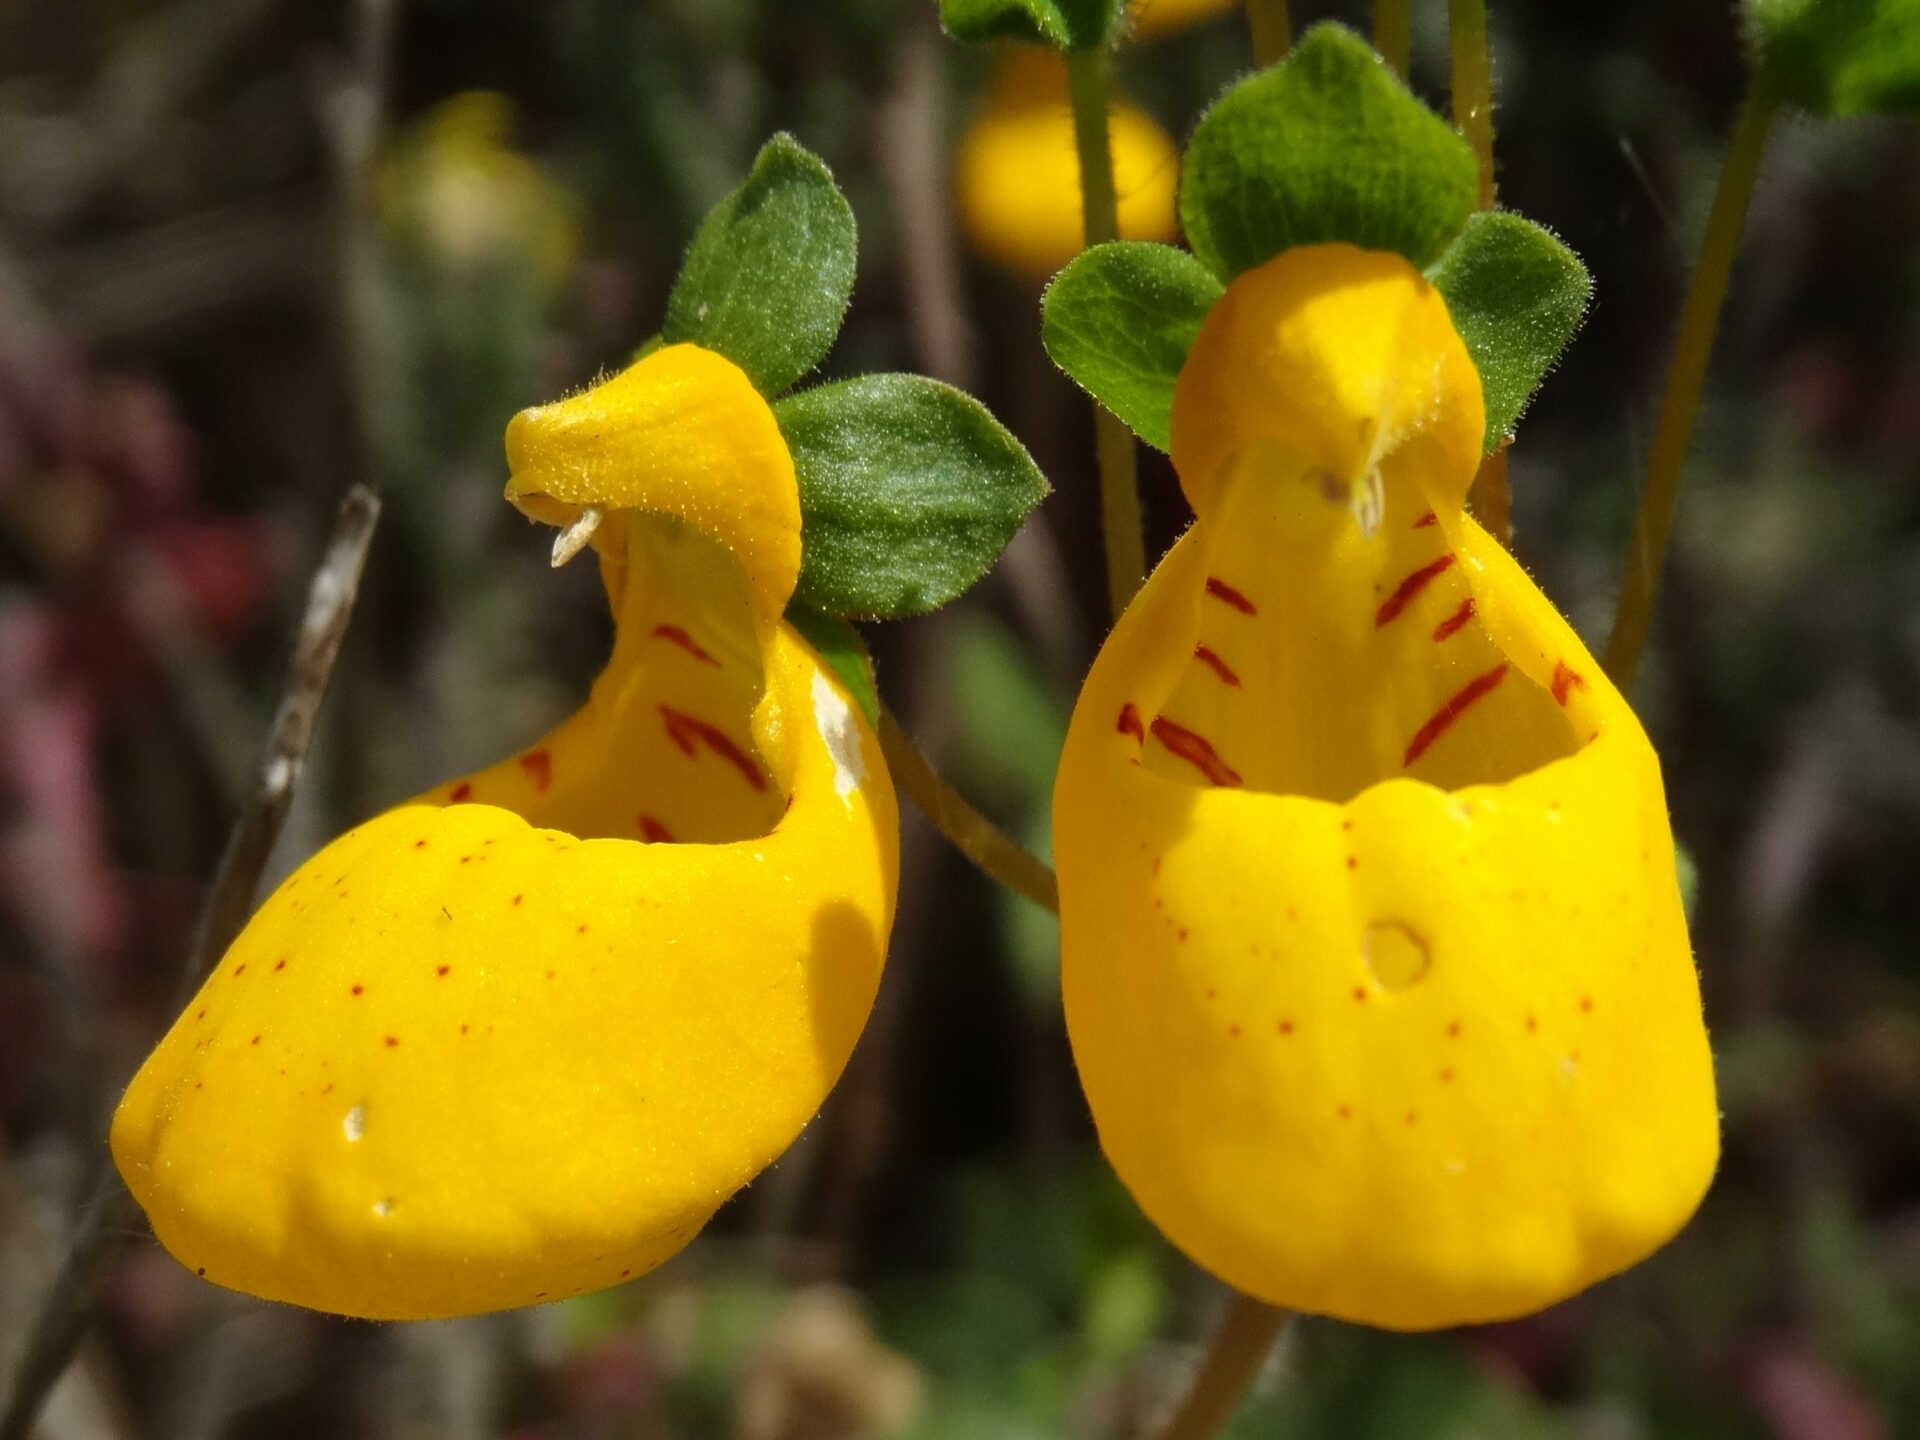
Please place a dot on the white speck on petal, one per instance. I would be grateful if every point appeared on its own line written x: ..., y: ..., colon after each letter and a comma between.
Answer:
x: 355, y: 1125
x: 836, y: 726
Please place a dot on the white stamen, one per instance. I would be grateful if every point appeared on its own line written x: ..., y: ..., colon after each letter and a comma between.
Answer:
x: 572, y: 540
x: 1369, y: 502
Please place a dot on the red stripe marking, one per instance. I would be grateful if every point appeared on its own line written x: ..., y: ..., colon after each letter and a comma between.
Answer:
x: 1438, y: 722
x: 1214, y: 663
x: 652, y: 831
x: 1410, y: 587
x: 1566, y: 680
x: 674, y: 634
x: 1455, y: 621
x: 1130, y: 723
x: 1221, y: 590
x: 539, y: 767
x: 1196, y: 750
x: 462, y: 791
x: 690, y: 732
x: 1425, y: 520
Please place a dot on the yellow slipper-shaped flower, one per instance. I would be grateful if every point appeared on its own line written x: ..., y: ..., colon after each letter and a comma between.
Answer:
x: 1017, y: 173
x: 518, y: 1039
x: 1374, y: 960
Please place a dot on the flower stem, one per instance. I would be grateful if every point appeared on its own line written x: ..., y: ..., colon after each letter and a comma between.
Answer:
x: 997, y: 853
x: 1473, y: 85
x: 1272, y: 31
x: 1234, y: 1357
x: 1686, y: 375
x: 1089, y: 82
x: 1393, y: 34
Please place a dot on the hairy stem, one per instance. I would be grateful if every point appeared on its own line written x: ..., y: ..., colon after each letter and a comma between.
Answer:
x: 1089, y: 80
x: 998, y: 854
x: 1686, y: 375
x: 1272, y: 31
x: 1393, y: 34
x: 1233, y: 1360
x: 111, y: 1217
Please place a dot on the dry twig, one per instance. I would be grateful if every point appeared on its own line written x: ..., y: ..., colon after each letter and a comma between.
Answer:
x: 110, y: 1216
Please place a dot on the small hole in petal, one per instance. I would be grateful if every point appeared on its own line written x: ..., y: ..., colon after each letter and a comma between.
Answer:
x: 1396, y: 955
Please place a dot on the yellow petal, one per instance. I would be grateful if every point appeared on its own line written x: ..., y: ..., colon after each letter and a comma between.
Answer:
x: 1151, y: 19
x: 681, y: 432
x: 1366, y: 357
x: 519, y: 1038
x: 1373, y: 956
x: 1018, y: 174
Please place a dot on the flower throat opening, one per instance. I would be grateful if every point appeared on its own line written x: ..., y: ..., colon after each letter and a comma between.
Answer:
x: 1326, y: 661
x: 663, y: 750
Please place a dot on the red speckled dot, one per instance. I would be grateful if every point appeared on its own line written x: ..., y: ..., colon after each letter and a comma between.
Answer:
x: 1446, y: 1075
x: 441, y: 970
x: 254, y: 1041
x: 1353, y: 862
x: 1359, y: 993
x: 279, y: 965
x: 241, y: 968
x: 1586, y: 1004
x: 1234, y: 1031
x: 1285, y: 1027
x: 1345, y: 1112
x: 392, y: 1040
x: 1454, y: 1030
x: 358, y: 990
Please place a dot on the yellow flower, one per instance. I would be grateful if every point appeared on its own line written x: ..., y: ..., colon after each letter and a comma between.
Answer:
x: 453, y: 188
x: 518, y: 1038
x: 1374, y: 962
x: 1018, y: 174
x: 1151, y: 19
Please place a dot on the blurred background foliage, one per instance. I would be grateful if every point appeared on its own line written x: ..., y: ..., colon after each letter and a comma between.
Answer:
x: 251, y: 250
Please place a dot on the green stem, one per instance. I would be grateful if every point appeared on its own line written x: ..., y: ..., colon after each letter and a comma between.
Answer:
x: 1686, y: 376
x: 1272, y: 31
x: 1234, y: 1357
x: 1393, y: 34
x: 1089, y: 81
x: 997, y: 853
x: 1473, y: 85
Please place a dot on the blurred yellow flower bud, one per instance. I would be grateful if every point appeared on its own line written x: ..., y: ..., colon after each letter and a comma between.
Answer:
x: 519, y: 1038
x: 453, y: 189
x: 1373, y: 954
x: 1151, y: 19
x: 1018, y: 173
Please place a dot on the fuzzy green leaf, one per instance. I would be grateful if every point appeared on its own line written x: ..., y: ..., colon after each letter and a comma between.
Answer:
x: 844, y: 651
x: 1840, y: 57
x: 1516, y: 295
x: 909, y: 491
x: 1119, y: 320
x: 1328, y: 145
x: 1063, y: 24
x: 768, y: 277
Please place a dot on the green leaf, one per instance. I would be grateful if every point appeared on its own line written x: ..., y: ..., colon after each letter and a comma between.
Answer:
x: 1120, y: 319
x: 1063, y: 24
x: 1840, y: 57
x: 1516, y: 295
x: 1328, y: 145
x: 767, y: 279
x: 844, y: 651
x: 909, y: 491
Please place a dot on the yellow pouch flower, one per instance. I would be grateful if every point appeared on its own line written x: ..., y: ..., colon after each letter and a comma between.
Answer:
x: 1017, y: 173
x: 519, y: 1038
x: 1374, y: 961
